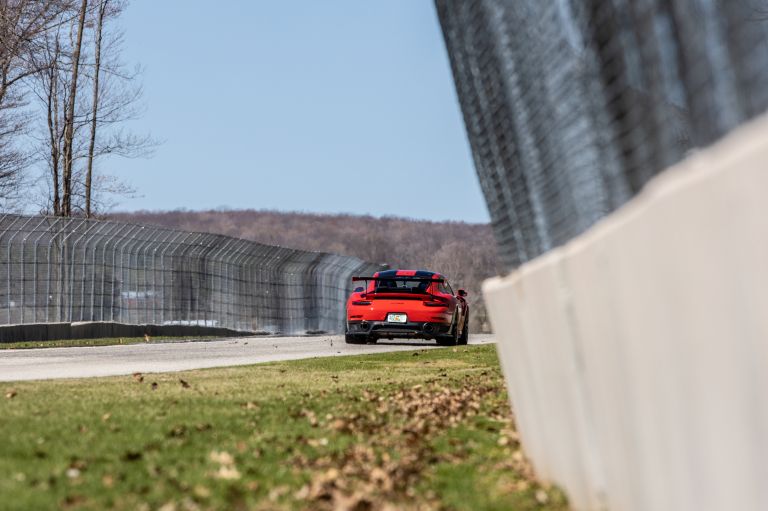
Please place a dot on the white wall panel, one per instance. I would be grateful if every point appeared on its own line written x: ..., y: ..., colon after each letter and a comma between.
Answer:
x: 637, y: 354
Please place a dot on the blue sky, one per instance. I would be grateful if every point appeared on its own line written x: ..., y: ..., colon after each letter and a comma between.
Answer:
x: 321, y: 106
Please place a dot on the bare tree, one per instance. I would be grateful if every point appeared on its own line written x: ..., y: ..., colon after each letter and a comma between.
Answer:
x: 53, y: 125
x: 12, y: 159
x: 102, y: 9
x: 22, y: 25
x: 69, y: 117
x: 88, y: 93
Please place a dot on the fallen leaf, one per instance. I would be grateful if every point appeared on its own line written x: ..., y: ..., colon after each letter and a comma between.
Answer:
x: 221, y: 457
x: 201, y: 491
x: 317, y: 442
x: 340, y: 425
x: 302, y: 493
x: 227, y: 473
x: 311, y: 417
x: 277, y: 492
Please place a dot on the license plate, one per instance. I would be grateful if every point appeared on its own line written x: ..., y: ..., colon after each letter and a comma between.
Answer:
x: 397, y: 318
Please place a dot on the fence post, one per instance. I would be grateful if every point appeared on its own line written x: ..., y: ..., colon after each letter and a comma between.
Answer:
x: 66, y: 280
x: 252, y: 263
x: 112, y: 237
x: 181, y: 244
x: 23, y: 272
x: 242, y: 261
x: 219, y: 255
x: 72, y: 266
x: 49, y: 296
x: 162, y: 274
x: 146, y: 268
x: 127, y: 240
x: 45, y: 219
x: 156, y: 294
x: 10, y: 244
x: 112, y: 228
x: 239, y: 289
x: 52, y: 229
x: 197, y: 251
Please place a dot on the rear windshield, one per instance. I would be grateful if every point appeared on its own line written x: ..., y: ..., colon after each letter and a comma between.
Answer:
x: 401, y: 286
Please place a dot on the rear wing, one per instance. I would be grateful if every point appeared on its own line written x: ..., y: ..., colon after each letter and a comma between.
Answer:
x: 399, y: 277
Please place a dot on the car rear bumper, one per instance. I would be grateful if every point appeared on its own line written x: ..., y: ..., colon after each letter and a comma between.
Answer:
x: 376, y: 329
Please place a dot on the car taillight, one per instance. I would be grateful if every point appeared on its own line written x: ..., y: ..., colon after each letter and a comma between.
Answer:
x: 436, y: 304
x: 361, y: 302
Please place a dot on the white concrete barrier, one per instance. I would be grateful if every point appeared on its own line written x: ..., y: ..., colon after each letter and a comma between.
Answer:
x: 637, y: 355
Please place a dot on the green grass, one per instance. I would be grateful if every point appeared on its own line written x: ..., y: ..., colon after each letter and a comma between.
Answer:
x: 105, y: 341
x: 428, y: 430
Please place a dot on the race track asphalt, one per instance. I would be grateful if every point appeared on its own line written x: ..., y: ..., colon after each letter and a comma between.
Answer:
x: 86, y: 362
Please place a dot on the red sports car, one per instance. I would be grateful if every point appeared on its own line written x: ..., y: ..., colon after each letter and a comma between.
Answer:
x: 407, y: 303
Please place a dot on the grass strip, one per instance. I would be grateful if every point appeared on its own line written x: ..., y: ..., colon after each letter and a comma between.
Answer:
x: 427, y: 429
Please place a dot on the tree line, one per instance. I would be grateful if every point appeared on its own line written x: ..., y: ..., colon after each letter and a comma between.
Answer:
x: 65, y: 95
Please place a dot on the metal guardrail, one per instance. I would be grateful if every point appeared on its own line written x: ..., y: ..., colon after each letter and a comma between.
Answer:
x: 72, y: 269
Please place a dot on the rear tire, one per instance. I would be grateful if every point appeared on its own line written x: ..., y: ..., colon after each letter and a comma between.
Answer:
x: 451, y: 339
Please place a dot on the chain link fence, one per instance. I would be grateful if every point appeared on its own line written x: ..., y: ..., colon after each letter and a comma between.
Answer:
x: 571, y: 106
x: 56, y: 269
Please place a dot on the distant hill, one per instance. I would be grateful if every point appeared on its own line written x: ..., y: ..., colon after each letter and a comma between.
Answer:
x: 466, y: 253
